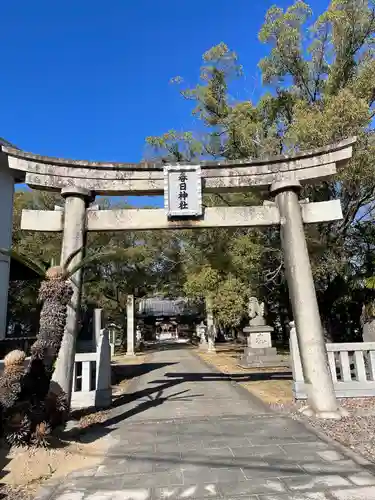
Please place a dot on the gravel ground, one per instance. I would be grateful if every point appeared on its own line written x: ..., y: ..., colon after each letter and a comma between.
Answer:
x: 21, y: 493
x: 357, y: 431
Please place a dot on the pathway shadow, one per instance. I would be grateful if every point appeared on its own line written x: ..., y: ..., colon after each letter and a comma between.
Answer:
x: 122, y: 371
x: 155, y: 394
x: 154, y: 397
x: 152, y: 347
x: 252, y: 465
x: 225, y: 377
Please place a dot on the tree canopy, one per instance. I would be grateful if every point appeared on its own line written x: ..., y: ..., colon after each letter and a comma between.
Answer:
x: 318, y: 87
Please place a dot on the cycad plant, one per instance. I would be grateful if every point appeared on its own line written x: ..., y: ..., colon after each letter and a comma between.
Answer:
x: 31, y: 405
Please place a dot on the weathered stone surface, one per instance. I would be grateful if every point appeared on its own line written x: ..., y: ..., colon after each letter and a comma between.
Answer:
x: 333, y: 153
x: 259, y: 337
x: 76, y: 201
x: 185, y: 432
x: 142, y: 219
x: 125, y: 178
x: 321, y: 396
x: 259, y: 352
x: 255, y: 310
x: 263, y: 361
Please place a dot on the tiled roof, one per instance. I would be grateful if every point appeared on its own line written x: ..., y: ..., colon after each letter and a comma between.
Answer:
x: 155, y: 306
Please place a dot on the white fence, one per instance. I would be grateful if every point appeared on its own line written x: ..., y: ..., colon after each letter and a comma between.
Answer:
x: 352, y: 368
x: 92, y: 377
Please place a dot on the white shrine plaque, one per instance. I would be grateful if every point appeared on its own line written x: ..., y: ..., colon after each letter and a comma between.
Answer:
x: 260, y: 340
x: 183, y: 190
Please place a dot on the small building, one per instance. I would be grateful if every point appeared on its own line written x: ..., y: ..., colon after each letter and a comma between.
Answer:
x: 161, y: 315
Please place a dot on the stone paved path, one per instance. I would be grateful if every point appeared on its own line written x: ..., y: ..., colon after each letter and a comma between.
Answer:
x: 185, y: 432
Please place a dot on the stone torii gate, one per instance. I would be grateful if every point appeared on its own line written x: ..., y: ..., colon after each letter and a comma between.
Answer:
x: 80, y: 181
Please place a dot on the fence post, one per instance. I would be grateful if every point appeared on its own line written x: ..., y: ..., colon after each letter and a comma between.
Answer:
x: 103, y: 396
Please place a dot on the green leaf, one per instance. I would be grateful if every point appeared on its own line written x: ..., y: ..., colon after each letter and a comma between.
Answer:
x: 370, y: 283
x: 98, y: 257
x: 71, y: 257
x: 37, y: 267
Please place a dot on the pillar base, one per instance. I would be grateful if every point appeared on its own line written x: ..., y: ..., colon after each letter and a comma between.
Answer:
x: 307, y: 411
x: 130, y: 355
x: 203, y: 346
x: 211, y: 346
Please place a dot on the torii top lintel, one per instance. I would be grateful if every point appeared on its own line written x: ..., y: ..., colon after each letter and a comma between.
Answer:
x: 44, y: 172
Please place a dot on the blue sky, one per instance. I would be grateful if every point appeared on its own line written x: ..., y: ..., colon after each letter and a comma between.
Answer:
x: 90, y: 79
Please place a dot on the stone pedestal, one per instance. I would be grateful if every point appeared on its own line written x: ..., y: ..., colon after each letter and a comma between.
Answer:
x: 259, y: 352
x: 203, y: 345
x: 163, y: 336
x: 211, y: 346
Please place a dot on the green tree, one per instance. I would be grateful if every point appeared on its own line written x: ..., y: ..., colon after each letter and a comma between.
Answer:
x: 23, y: 306
x: 150, y: 262
x: 318, y: 89
x: 331, y: 97
x: 30, y: 405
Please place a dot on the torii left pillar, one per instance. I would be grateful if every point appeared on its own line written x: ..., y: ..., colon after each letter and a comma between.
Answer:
x: 76, y: 201
x: 6, y: 210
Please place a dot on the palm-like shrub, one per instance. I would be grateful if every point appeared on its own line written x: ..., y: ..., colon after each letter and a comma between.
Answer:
x: 29, y: 409
x: 31, y: 405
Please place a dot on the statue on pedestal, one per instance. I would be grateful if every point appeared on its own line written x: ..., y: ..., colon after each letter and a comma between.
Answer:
x: 256, y: 312
x: 259, y: 351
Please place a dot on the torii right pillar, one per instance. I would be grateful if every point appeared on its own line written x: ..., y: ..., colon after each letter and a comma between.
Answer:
x: 322, y: 402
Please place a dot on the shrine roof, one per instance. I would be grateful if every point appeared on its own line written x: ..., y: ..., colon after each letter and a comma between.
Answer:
x: 160, y: 307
